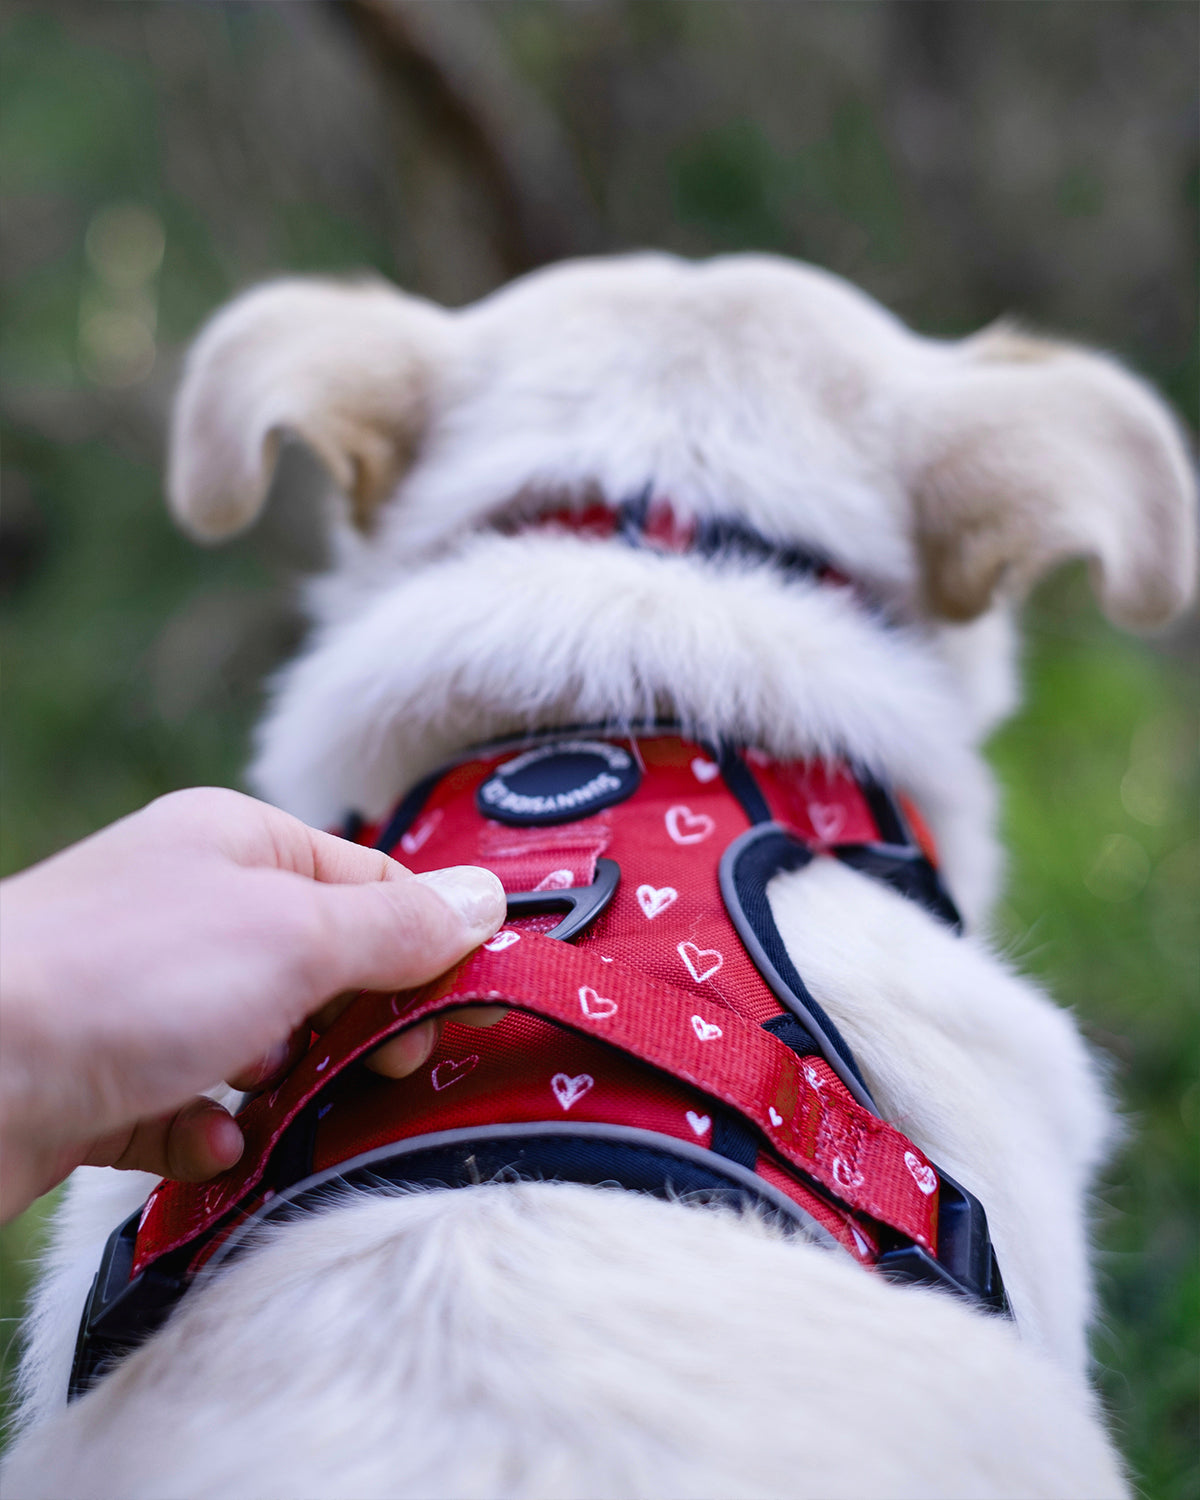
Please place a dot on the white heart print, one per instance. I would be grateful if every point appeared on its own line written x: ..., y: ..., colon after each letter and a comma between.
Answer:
x: 505, y: 938
x: 702, y: 963
x: 416, y: 838
x: 687, y: 827
x: 599, y: 1007
x: 705, y: 770
x: 776, y: 1117
x: 844, y: 1175
x: 452, y: 1070
x: 706, y: 1031
x: 568, y: 1090
x: 653, y: 899
x: 924, y: 1177
x: 827, y: 819
x: 699, y: 1123
x: 557, y: 880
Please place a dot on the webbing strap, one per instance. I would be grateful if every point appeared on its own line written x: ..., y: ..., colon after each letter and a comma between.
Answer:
x: 798, y: 1104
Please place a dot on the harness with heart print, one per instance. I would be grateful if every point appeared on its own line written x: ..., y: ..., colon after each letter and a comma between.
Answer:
x: 659, y: 1034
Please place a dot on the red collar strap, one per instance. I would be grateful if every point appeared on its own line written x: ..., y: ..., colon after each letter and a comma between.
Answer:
x: 649, y: 522
x: 670, y: 1045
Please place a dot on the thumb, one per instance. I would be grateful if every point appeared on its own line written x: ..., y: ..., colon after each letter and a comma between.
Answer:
x: 394, y: 934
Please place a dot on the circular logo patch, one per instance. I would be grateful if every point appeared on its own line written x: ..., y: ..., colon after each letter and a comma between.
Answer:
x: 559, y: 783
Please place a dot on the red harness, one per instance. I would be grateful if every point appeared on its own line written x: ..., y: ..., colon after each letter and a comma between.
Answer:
x: 669, y: 1046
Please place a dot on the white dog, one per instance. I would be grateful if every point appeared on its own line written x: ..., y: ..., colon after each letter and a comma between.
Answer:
x: 552, y: 1339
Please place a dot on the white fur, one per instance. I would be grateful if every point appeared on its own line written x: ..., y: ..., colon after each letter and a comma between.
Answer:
x: 568, y: 1342
x: 558, y: 1341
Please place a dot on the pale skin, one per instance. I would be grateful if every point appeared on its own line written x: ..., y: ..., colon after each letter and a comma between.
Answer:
x: 194, y: 941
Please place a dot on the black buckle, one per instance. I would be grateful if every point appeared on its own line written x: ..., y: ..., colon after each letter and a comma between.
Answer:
x: 582, y: 904
x: 119, y: 1313
x: 965, y: 1263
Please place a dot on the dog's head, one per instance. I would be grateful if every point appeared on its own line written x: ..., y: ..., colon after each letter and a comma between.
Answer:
x: 947, y: 475
x: 944, y: 478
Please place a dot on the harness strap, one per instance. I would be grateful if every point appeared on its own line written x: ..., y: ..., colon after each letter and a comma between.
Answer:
x: 799, y: 1105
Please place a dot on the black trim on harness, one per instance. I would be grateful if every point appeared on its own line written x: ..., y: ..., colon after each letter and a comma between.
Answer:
x: 908, y: 872
x: 747, y: 866
x: 739, y: 779
x: 733, y: 1138
x: 885, y: 810
x: 789, y: 1031
x: 121, y: 1313
x: 406, y: 814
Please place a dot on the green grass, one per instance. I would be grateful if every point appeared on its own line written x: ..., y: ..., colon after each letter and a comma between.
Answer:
x: 1103, y: 898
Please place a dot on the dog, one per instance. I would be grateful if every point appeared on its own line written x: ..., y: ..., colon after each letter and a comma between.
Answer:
x: 541, y: 1338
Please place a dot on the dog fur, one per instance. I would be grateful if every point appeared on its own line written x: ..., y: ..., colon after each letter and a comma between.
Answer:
x: 540, y: 1340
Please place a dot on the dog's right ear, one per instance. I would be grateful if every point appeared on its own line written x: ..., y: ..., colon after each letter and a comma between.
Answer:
x: 1022, y: 454
x: 345, y: 367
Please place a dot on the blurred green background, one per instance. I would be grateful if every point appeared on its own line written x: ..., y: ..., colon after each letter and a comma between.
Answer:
x: 958, y: 161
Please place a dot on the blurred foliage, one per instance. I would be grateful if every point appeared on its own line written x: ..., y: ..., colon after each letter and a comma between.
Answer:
x: 960, y: 162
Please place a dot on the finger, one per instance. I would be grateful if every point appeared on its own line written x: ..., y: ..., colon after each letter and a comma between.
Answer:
x: 405, y: 1053
x: 396, y: 934
x: 477, y: 1015
x: 254, y: 833
x: 336, y: 861
x: 323, y: 1019
x: 273, y: 1065
x: 192, y: 1145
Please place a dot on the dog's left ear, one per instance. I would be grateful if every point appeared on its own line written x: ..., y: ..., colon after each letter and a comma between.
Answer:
x: 1020, y: 454
x: 347, y: 368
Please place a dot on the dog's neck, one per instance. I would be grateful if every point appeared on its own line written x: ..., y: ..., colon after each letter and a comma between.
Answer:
x: 547, y: 617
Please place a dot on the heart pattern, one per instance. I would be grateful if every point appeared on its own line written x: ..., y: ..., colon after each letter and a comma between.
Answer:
x: 599, y: 1007
x: 653, y: 900
x: 705, y: 770
x: 505, y: 938
x: 557, y: 880
x: 452, y: 1070
x: 827, y: 819
x: 568, y: 1090
x: 845, y: 1175
x: 702, y: 963
x: 417, y: 837
x: 699, y: 1123
x: 924, y: 1177
x: 776, y: 1117
x: 687, y: 827
x: 706, y: 1031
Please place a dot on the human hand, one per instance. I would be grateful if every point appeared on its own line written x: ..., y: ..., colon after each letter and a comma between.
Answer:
x: 193, y: 941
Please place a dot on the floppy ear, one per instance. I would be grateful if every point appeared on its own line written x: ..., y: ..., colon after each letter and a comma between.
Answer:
x: 1021, y: 454
x: 347, y: 368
